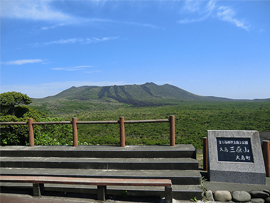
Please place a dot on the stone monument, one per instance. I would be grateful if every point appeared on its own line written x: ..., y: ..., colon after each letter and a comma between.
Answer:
x: 235, y: 156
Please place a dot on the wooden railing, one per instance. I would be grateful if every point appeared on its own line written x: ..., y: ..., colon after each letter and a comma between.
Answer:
x: 74, y: 123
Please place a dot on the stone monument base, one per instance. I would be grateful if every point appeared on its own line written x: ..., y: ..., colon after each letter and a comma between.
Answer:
x: 238, y: 177
x: 235, y: 156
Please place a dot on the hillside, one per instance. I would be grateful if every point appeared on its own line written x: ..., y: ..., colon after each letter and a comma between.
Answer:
x: 137, y: 95
x: 77, y: 99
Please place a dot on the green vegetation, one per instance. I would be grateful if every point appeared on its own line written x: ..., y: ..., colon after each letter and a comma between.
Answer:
x: 193, y: 118
x: 13, y: 111
x: 9, y: 100
x: 56, y: 134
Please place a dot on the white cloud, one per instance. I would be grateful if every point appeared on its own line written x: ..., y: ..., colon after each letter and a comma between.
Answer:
x: 194, y: 20
x: 78, y: 21
x: 50, y: 89
x: 193, y: 5
x: 228, y: 14
x: 206, y: 9
x: 139, y: 24
x: 43, y: 10
x: 33, y: 10
x: 94, y: 71
x: 77, y: 40
x: 24, y: 61
x: 75, y: 68
x: 97, y: 20
x: 202, y: 9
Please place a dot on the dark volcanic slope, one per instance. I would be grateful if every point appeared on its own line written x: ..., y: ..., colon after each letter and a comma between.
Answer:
x: 148, y: 94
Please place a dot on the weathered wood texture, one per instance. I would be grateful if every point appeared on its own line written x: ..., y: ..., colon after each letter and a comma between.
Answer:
x: 87, y: 181
x: 38, y: 183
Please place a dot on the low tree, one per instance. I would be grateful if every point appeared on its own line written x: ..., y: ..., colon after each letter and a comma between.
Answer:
x: 14, y: 109
x: 9, y: 100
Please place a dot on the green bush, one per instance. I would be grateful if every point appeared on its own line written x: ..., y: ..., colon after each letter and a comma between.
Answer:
x: 13, y: 134
x: 17, y: 134
x: 53, y: 134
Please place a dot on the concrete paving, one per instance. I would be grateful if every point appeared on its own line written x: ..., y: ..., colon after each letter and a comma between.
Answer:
x: 26, y: 198
x: 99, y: 148
x: 19, y: 198
x: 214, y: 186
x: 130, y: 151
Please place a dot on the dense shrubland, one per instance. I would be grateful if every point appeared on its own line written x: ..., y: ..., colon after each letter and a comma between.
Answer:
x: 193, y: 119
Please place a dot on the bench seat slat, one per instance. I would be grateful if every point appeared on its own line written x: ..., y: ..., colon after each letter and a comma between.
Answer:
x: 87, y: 181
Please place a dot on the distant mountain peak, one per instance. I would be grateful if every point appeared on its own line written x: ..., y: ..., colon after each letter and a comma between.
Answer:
x: 148, y: 94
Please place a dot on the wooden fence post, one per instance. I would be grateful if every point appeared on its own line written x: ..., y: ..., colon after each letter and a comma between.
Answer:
x: 172, y: 130
x: 75, y: 132
x: 266, y: 157
x: 205, y: 161
x: 31, y: 132
x: 122, y: 131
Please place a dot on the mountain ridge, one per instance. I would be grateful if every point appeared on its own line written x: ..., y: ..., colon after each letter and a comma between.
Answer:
x: 148, y: 94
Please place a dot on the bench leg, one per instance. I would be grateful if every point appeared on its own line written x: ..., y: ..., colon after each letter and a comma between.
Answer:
x: 37, y: 188
x: 168, y: 194
x: 101, y: 192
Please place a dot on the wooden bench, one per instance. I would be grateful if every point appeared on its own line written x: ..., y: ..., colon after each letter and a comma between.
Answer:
x: 38, y: 183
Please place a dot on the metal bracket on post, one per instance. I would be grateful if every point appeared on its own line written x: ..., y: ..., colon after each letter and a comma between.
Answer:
x: 168, y: 194
x: 101, y: 192
x: 266, y: 157
x: 36, y: 189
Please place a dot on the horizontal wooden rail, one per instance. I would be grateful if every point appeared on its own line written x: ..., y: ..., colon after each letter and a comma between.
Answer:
x: 86, y: 122
x: 87, y: 181
x: 97, y: 122
x: 52, y: 122
x: 13, y: 123
x: 74, y: 123
x: 147, y: 121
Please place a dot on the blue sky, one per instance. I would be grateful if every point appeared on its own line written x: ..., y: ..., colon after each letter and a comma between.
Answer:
x: 210, y: 48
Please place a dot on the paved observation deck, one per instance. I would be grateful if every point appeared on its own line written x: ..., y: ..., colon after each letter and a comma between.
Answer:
x: 177, y: 163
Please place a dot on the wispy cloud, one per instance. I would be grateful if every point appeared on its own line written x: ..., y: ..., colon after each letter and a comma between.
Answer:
x: 24, y: 61
x: 206, y: 9
x: 77, y: 40
x: 193, y: 5
x: 192, y: 20
x: 34, y: 10
x: 43, y: 10
x: 228, y: 14
x: 78, y: 21
x: 93, y: 71
x: 202, y: 10
x: 74, y: 68
x: 139, y: 24
x: 97, y: 20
